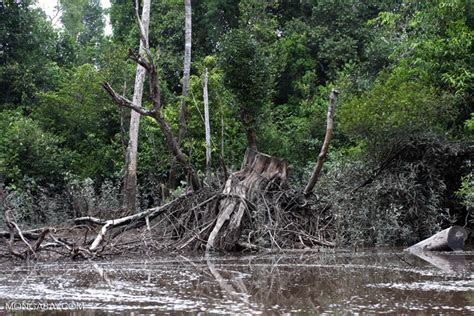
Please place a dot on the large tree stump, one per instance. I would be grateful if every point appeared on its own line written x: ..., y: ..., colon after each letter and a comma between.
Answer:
x: 451, y: 238
x: 258, y: 172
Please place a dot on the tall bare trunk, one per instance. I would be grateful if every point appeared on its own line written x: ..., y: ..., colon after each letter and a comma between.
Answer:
x: 183, y: 113
x: 207, y: 125
x: 327, y: 139
x: 130, y: 185
x: 186, y: 69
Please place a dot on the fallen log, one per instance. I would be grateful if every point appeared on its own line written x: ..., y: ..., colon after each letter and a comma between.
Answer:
x: 452, y: 238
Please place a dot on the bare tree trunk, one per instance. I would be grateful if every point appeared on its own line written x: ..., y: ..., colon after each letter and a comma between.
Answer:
x: 130, y: 185
x: 207, y: 125
x: 183, y: 113
x: 186, y: 69
x: 327, y: 139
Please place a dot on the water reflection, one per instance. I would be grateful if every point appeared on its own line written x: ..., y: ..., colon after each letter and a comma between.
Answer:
x: 450, y: 262
x: 294, y: 282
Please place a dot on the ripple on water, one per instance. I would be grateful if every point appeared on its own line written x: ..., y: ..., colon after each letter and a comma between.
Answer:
x: 440, y: 286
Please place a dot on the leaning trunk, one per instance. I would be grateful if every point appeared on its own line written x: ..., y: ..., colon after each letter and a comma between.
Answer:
x: 173, y: 145
x: 327, y: 139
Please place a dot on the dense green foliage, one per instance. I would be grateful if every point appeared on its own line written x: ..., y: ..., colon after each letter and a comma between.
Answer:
x: 404, y: 68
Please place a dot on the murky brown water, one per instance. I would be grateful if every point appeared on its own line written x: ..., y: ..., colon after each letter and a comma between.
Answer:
x: 362, y: 282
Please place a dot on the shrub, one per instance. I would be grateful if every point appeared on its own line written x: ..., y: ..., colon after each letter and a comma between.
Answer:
x: 405, y: 199
x: 28, y: 151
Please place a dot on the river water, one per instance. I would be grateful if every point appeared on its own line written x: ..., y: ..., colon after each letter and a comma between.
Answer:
x: 384, y: 281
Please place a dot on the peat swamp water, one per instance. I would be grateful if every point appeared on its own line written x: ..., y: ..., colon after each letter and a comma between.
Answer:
x: 368, y: 282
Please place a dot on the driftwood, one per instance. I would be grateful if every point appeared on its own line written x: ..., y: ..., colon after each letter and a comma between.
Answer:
x: 452, y: 238
x: 30, y: 234
x: 259, y: 172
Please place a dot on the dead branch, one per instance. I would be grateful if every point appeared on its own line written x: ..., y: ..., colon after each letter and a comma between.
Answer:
x: 40, y: 239
x: 90, y: 220
x: 122, y: 101
x: 14, y: 226
x: 327, y: 139
x: 150, y: 213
